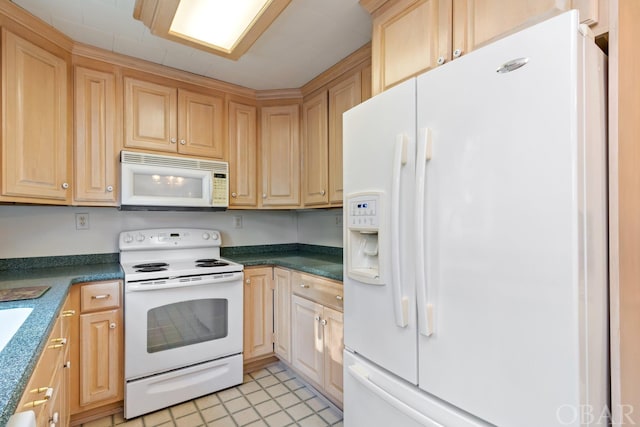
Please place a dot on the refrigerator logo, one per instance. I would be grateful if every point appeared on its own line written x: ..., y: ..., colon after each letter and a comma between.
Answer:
x: 512, y: 65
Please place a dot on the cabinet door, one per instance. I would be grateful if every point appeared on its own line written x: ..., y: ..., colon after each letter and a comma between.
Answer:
x: 315, y: 151
x: 36, y: 152
x: 97, y: 138
x: 334, y: 344
x: 258, y: 312
x: 200, y: 124
x: 282, y: 313
x: 242, y: 155
x: 342, y: 97
x: 100, y: 356
x: 307, y: 338
x: 408, y: 38
x: 280, y: 154
x: 476, y: 21
x: 150, y: 116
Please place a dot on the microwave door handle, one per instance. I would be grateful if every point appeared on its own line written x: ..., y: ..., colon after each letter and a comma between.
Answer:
x: 210, y: 201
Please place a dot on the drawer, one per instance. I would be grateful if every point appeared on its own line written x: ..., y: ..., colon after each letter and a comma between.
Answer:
x: 99, y: 296
x: 318, y: 289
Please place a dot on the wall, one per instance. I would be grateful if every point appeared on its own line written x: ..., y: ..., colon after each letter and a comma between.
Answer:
x: 31, y: 231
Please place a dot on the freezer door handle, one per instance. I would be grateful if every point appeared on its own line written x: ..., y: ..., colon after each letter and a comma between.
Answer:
x: 400, y: 302
x: 361, y: 374
x: 425, y: 310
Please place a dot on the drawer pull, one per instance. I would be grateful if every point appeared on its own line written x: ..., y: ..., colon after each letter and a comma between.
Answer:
x: 60, y: 342
x: 68, y: 313
x: 104, y: 296
x: 48, y: 393
x: 304, y: 286
x: 339, y: 297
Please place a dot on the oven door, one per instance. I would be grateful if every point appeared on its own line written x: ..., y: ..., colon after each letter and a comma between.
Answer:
x: 173, y: 327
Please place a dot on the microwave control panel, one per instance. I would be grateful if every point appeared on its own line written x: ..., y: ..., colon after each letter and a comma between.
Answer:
x: 220, y: 190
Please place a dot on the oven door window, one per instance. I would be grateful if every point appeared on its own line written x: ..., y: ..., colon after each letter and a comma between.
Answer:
x: 185, y: 323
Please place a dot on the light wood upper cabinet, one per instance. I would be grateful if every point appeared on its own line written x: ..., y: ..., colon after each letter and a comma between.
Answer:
x: 282, y: 313
x: 315, y: 150
x: 200, y: 124
x: 342, y: 96
x: 258, y: 312
x: 36, y: 150
x: 163, y: 118
x: 243, y: 147
x: 280, y: 156
x: 413, y: 36
x: 98, y: 131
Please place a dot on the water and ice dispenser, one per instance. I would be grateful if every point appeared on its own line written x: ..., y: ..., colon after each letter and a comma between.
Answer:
x: 363, y: 223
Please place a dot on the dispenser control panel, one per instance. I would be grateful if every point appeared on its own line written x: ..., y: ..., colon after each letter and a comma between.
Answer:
x: 364, y: 211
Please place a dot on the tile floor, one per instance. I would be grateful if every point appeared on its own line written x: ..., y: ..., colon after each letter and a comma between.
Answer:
x: 273, y: 396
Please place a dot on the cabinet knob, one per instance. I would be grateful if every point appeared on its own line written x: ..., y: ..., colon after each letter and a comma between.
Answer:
x: 234, y: 195
x: 457, y: 53
x: 67, y: 364
x: 247, y: 281
x: 173, y: 140
x: 264, y: 195
x: 183, y: 142
x: 112, y: 325
x: 441, y: 60
x: 323, y: 322
x: 65, y: 185
x: 55, y: 418
x: 304, y: 286
x: 109, y: 188
x: 339, y: 297
x: 322, y: 193
x: 317, y: 318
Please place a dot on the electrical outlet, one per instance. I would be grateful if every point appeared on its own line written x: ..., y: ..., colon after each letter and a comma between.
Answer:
x: 82, y: 221
x: 338, y: 220
x: 237, y: 221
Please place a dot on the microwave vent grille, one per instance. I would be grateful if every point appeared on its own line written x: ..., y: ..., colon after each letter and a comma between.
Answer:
x: 173, y: 162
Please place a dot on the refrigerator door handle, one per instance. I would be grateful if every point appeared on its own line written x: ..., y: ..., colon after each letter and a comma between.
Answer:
x: 360, y: 374
x: 401, y: 303
x: 425, y: 310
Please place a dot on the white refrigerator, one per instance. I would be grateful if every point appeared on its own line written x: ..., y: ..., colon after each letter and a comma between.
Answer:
x: 475, y: 282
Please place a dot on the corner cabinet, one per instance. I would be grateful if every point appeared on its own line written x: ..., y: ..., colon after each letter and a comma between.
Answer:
x: 242, y: 149
x: 413, y: 36
x: 160, y: 117
x: 36, y: 144
x: 98, y: 360
x: 98, y: 130
x: 280, y: 156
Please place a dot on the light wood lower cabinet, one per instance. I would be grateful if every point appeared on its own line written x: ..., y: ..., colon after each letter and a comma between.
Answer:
x: 258, y: 312
x: 98, y: 359
x: 47, y: 392
x: 317, y: 332
x: 282, y: 313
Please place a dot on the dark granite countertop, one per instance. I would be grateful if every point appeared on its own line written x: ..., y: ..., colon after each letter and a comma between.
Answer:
x: 18, y: 358
x: 320, y: 260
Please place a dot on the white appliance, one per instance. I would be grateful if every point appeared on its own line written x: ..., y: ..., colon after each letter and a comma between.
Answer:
x: 476, y: 240
x: 183, y: 317
x: 154, y: 182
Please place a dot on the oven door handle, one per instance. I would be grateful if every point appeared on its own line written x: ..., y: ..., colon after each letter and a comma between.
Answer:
x: 158, y: 284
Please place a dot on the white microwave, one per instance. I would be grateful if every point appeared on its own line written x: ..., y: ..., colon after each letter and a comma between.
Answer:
x: 154, y: 182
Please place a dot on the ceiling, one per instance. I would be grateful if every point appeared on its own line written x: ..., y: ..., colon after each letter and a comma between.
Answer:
x: 308, y: 37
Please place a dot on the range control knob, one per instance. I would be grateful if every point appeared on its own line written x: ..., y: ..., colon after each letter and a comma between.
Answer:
x: 205, y: 236
x: 128, y: 238
x: 140, y: 237
x: 215, y: 236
